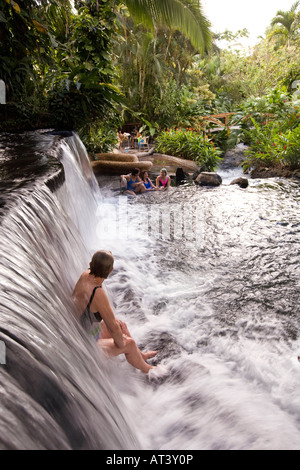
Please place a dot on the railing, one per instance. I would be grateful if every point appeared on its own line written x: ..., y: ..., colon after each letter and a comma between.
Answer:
x: 215, y: 119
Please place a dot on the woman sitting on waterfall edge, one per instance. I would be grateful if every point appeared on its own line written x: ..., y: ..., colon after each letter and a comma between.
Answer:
x: 93, y: 307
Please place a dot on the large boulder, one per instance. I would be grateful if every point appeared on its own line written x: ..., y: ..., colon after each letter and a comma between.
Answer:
x: 207, y: 178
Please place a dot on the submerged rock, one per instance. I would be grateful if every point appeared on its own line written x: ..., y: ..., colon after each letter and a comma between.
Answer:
x: 241, y: 182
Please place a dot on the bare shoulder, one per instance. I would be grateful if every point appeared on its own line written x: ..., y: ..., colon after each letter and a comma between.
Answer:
x: 85, y: 274
x: 80, y: 294
x: 81, y: 283
x: 100, y: 295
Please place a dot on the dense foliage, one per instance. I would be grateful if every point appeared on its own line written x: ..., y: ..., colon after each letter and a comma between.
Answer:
x: 94, y: 65
x: 56, y: 65
x: 186, y: 143
x: 274, y: 141
x: 270, y: 147
x: 56, y: 61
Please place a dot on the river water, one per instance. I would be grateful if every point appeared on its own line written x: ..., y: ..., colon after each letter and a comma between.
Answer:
x: 208, y: 276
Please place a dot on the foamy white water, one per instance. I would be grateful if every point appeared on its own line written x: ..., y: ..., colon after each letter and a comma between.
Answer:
x: 221, y: 303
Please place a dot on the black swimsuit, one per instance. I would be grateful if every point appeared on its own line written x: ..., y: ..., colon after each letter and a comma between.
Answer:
x: 88, y: 318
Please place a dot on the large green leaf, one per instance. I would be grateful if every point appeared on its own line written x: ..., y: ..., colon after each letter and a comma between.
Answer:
x: 184, y: 15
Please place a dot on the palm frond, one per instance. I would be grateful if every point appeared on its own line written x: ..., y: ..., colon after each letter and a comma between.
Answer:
x: 295, y: 6
x: 184, y: 15
x: 283, y: 20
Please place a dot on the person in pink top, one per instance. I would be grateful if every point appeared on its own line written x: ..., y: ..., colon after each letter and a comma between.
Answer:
x: 163, y: 181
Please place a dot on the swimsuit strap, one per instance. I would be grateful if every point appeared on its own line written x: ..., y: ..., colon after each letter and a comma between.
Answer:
x: 164, y: 182
x: 97, y: 315
x: 88, y: 318
x: 92, y: 296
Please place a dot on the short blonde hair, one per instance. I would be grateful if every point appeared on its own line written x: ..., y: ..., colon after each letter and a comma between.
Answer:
x: 101, y: 264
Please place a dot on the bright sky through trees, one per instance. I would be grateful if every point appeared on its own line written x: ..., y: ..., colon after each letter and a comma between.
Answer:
x: 234, y: 15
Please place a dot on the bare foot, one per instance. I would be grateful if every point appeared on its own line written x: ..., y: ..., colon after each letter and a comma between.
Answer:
x: 149, y: 354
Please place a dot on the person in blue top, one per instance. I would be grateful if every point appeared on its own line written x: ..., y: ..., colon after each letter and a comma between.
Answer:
x: 147, y: 181
x: 132, y: 183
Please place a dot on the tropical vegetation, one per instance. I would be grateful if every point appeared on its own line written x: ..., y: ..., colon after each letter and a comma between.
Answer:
x: 95, y: 65
x: 274, y: 141
x: 186, y: 143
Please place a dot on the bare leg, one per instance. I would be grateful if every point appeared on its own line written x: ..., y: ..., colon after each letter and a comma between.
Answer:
x: 140, y: 189
x: 148, y: 354
x: 105, y: 334
x: 131, y: 351
x: 131, y: 193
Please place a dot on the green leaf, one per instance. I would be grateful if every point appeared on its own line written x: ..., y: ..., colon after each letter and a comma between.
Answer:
x: 2, y: 18
x: 184, y: 15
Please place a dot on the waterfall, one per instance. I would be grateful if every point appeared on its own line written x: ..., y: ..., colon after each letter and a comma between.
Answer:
x: 207, y: 276
x: 55, y: 388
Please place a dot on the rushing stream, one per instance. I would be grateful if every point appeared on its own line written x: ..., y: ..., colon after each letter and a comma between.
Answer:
x: 208, y: 276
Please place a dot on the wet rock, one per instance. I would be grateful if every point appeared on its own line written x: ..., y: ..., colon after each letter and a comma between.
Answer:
x: 207, y: 178
x: 196, y: 173
x: 55, y: 181
x: 241, y: 182
x: 233, y: 158
x: 274, y: 173
x: 62, y: 133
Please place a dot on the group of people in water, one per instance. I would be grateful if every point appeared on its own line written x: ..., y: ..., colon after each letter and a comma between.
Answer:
x: 97, y: 318
x: 134, y: 183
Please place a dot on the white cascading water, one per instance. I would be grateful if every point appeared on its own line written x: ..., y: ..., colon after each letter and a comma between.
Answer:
x: 210, y: 278
x: 55, y: 387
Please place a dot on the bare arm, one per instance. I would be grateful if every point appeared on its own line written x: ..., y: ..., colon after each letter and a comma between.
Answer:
x: 139, y: 182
